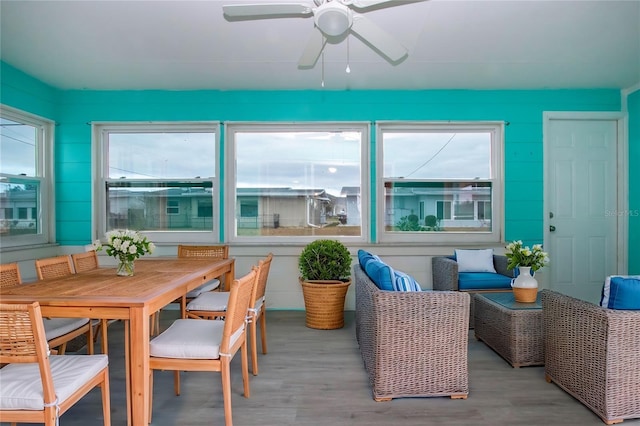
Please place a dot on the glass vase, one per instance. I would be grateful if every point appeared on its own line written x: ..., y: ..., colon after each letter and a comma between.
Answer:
x: 125, y: 268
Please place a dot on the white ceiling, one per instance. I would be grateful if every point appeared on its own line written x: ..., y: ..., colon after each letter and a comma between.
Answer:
x: 452, y: 44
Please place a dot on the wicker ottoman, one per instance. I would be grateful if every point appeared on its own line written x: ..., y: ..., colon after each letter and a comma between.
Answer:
x: 512, y: 329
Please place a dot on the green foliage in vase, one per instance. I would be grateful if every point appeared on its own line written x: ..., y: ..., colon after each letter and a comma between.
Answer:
x: 518, y: 255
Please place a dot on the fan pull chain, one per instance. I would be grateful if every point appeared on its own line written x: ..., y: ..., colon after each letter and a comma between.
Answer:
x: 322, y: 84
x: 348, y: 70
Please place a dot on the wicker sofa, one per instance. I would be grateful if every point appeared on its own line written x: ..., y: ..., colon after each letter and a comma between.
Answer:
x: 593, y: 353
x: 444, y: 272
x: 414, y: 344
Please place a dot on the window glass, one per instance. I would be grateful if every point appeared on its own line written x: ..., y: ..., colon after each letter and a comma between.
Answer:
x: 159, y: 178
x: 18, y: 145
x: 440, y: 181
x: 297, y: 182
x: 161, y: 155
x: 24, y: 140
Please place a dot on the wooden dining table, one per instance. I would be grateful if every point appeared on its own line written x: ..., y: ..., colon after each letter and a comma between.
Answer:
x: 100, y: 293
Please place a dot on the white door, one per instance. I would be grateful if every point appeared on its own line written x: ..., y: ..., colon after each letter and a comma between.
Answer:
x: 581, y: 203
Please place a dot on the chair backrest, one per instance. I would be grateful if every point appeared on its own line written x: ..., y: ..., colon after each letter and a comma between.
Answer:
x: 240, y: 298
x: 9, y: 275
x: 263, y: 267
x: 86, y: 261
x: 54, y: 267
x: 216, y: 252
x: 22, y: 340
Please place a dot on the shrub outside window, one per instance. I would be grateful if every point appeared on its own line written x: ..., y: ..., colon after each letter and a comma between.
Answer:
x: 441, y: 182
x: 296, y: 181
x: 160, y: 179
x: 26, y: 144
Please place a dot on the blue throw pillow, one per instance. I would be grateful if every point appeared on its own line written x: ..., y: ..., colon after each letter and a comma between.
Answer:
x: 405, y: 282
x: 621, y: 292
x: 364, y: 256
x: 380, y: 273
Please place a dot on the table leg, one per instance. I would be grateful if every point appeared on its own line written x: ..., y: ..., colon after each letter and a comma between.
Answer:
x: 139, y: 370
x: 127, y: 369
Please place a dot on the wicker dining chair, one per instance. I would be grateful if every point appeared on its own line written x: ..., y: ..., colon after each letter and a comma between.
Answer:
x: 55, y: 267
x: 198, y: 345
x: 85, y: 261
x: 37, y: 387
x: 187, y: 251
x: 214, y: 305
x: 88, y: 261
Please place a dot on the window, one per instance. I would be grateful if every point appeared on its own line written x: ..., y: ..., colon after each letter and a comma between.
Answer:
x: 158, y: 178
x: 26, y: 144
x: 442, y: 182
x: 173, y: 207
x: 296, y: 181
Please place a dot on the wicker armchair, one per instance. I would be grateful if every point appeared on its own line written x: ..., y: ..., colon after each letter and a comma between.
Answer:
x: 444, y: 272
x: 414, y: 344
x: 593, y: 354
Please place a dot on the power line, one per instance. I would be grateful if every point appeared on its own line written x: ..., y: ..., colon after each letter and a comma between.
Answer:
x: 433, y: 156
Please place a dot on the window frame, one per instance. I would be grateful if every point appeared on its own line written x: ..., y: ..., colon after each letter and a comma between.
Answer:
x: 496, y: 129
x: 100, y: 131
x: 231, y: 128
x: 44, y: 164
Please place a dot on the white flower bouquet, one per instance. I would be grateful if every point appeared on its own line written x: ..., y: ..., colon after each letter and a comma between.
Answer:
x: 525, y: 256
x: 126, y: 246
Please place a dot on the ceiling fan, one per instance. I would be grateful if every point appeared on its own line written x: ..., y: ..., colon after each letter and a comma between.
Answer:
x: 334, y: 20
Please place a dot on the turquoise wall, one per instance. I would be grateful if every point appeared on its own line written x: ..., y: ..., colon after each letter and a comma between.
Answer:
x: 633, y: 107
x: 24, y: 92
x: 523, y: 110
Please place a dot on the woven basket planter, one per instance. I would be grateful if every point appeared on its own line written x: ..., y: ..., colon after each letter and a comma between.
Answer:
x: 324, y: 303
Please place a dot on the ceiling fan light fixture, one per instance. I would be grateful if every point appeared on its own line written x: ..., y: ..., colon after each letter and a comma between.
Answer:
x: 333, y: 20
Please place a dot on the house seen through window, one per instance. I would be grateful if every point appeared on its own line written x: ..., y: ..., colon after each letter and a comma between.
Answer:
x: 441, y: 181
x: 25, y: 147
x: 296, y: 180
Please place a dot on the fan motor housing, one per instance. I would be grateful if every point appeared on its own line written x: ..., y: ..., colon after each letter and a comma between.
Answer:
x: 333, y: 19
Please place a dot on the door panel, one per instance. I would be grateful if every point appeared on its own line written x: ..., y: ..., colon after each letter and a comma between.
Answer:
x: 581, y: 187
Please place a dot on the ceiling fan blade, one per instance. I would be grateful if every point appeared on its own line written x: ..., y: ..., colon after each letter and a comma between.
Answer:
x: 312, y: 52
x: 378, y: 38
x: 266, y: 9
x: 363, y: 4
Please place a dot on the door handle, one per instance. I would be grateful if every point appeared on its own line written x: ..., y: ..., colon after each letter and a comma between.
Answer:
x: 552, y: 228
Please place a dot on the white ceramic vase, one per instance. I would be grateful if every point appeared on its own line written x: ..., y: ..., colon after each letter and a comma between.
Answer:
x: 525, y: 279
x: 525, y: 286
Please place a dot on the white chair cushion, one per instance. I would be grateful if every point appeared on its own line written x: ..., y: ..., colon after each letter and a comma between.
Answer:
x: 22, y: 388
x: 210, y: 301
x: 191, y: 339
x: 208, y: 286
x: 56, y: 327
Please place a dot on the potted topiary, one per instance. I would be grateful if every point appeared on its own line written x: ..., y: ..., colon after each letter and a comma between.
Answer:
x: 325, y: 271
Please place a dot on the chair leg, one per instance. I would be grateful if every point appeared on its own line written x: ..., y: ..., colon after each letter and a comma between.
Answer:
x: 155, y: 323
x: 62, y: 348
x: 245, y: 369
x: 263, y: 329
x: 183, y: 307
x: 105, y: 342
x: 150, y: 394
x: 90, y: 349
x: 225, y: 373
x: 176, y: 382
x: 254, y: 347
x: 106, y: 404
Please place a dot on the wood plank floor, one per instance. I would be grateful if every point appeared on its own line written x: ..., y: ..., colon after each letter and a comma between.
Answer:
x: 316, y: 378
